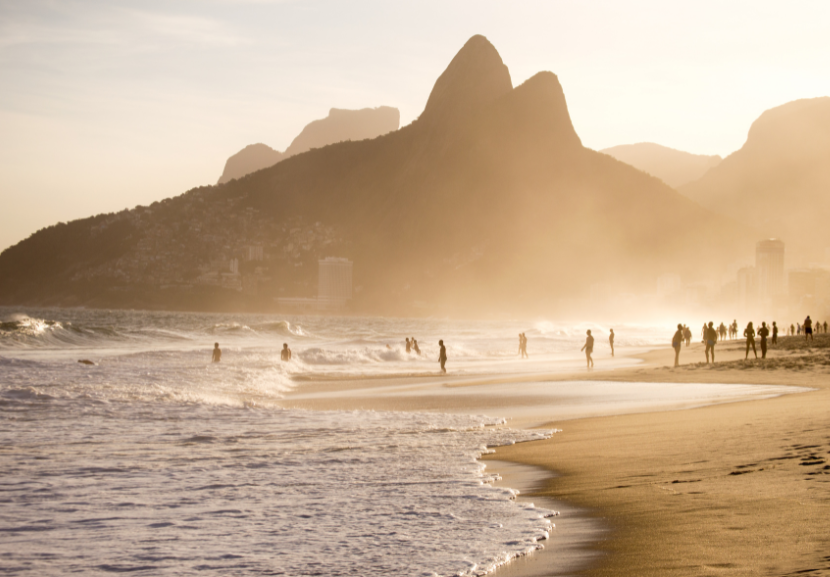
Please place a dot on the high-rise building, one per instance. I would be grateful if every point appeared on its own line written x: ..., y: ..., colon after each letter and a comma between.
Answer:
x: 334, y: 283
x: 769, y: 266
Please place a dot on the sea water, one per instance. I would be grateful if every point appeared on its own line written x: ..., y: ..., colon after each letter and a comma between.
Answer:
x: 155, y: 461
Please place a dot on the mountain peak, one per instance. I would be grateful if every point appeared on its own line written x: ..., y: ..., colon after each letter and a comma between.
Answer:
x: 475, y: 78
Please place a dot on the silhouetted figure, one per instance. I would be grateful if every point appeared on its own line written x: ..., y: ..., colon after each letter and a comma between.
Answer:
x: 217, y: 353
x: 792, y: 330
x: 808, y: 328
x: 825, y: 326
x: 611, y: 341
x: 523, y: 345
x: 415, y: 346
x: 763, y: 332
x: 710, y: 337
x: 722, y: 331
x: 703, y: 333
x: 677, y: 343
x: 774, y: 333
x: 285, y: 353
x: 442, y: 356
x: 588, y: 347
x: 733, y: 329
x: 408, y: 346
x: 749, y: 333
x: 687, y: 335
x: 798, y: 328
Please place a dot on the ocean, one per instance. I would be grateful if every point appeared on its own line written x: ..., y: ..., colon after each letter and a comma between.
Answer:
x: 155, y: 461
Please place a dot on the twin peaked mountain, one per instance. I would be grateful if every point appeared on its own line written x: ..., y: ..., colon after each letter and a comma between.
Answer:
x: 487, y: 200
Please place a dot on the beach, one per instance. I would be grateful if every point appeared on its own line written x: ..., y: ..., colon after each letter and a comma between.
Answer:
x: 740, y: 487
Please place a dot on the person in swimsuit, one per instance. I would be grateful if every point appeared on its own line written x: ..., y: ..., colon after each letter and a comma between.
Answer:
x: 677, y: 343
x: 763, y: 332
x: 415, y: 346
x: 808, y: 328
x: 774, y: 334
x: 285, y: 353
x: 749, y: 333
x: 442, y: 356
x: 408, y: 346
x: 588, y: 347
x: 217, y: 353
x: 711, y: 337
x: 611, y: 341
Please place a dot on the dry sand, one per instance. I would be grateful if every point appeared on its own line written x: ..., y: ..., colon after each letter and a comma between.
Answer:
x: 731, y: 489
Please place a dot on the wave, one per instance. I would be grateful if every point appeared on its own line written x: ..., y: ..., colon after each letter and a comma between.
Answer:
x: 283, y: 328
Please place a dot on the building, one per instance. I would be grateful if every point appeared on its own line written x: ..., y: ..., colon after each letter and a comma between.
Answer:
x: 334, y: 282
x: 668, y: 284
x: 747, y: 286
x: 769, y: 268
x: 253, y: 253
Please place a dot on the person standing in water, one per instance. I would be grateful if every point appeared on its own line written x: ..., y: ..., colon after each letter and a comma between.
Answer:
x: 523, y: 345
x: 611, y: 341
x: 217, y: 353
x: 408, y: 346
x: 677, y: 343
x: 442, y: 356
x: 588, y: 347
x: 415, y: 346
x: 749, y: 333
x: 763, y: 332
x: 710, y: 337
x: 285, y: 353
x: 774, y: 334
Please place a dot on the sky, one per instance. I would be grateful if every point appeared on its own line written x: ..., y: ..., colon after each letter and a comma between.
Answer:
x: 109, y: 104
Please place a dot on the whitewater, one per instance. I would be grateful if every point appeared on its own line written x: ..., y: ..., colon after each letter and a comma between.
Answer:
x: 156, y: 461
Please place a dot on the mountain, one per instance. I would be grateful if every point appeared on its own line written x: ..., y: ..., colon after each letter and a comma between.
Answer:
x: 488, y: 202
x: 779, y: 181
x: 674, y: 167
x: 338, y: 126
x: 250, y: 159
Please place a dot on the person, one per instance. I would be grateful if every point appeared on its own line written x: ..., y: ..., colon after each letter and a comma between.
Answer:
x: 217, y: 353
x: 442, y: 356
x: 588, y: 347
x: 734, y: 329
x: 408, y: 346
x: 825, y: 326
x: 523, y: 345
x: 749, y: 333
x: 722, y: 331
x: 687, y: 334
x: 676, y: 343
x: 792, y: 330
x: 774, y: 333
x: 611, y: 341
x: 798, y: 328
x: 763, y: 332
x: 285, y: 354
x: 711, y: 337
x: 808, y: 328
x: 415, y: 346
x: 703, y: 333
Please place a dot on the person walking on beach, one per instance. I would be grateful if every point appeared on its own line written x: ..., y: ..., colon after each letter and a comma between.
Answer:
x: 710, y: 337
x: 442, y: 356
x: 677, y: 343
x: 792, y: 330
x: 217, y: 353
x: 774, y: 333
x: 763, y: 332
x: 415, y: 346
x: 687, y: 334
x: 588, y: 347
x: 749, y: 333
x: 611, y: 341
x: 808, y: 328
x: 285, y: 353
x: 722, y: 331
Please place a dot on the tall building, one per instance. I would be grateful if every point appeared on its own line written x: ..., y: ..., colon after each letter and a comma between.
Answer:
x: 769, y: 267
x: 334, y: 282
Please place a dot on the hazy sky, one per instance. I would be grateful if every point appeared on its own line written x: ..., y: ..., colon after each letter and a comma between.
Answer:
x: 108, y: 104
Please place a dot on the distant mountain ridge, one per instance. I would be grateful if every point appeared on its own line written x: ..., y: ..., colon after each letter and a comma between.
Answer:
x: 338, y: 126
x: 674, y: 167
x: 487, y: 202
x: 779, y: 181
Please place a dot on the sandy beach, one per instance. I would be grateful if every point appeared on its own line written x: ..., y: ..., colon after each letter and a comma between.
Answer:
x: 729, y: 485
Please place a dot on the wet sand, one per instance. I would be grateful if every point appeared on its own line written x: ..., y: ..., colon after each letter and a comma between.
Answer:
x: 736, y: 488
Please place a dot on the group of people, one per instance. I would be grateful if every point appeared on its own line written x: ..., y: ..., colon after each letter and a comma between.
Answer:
x: 588, y: 347
x: 711, y: 335
x: 412, y: 346
x: 285, y: 353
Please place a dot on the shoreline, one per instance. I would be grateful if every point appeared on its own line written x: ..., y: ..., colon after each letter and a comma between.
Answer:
x: 566, y: 479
